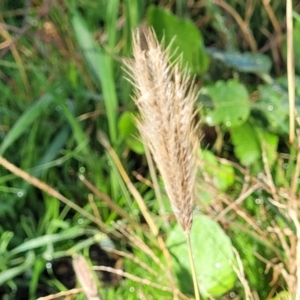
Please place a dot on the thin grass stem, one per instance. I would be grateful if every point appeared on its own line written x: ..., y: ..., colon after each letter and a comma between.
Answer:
x: 193, y: 268
x: 290, y: 67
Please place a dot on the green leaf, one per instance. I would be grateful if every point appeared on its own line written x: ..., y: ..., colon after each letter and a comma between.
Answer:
x: 244, y: 62
x: 273, y: 104
x: 188, y: 40
x: 127, y: 125
x: 284, y: 295
x: 223, y: 175
x: 231, y: 101
x: 129, y: 131
x: 213, y: 257
x: 246, y: 144
x: 270, y: 143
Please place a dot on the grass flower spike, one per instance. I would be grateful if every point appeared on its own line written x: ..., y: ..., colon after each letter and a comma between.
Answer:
x: 165, y: 97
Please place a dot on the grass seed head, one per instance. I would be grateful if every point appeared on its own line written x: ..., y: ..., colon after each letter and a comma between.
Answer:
x: 165, y: 96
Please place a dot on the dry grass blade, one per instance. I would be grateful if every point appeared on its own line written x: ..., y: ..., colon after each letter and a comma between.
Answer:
x: 152, y: 225
x: 134, y: 259
x: 49, y: 190
x: 133, y: 277
x: 64, y: 294
x: 104, y: 141
x: 239, y: 271
x: 139, y: 243
x: 166, y: 98
x: 248, y: 36
x: 85, y: 277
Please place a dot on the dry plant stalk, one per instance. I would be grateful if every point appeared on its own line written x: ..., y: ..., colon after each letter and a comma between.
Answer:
x: 85, y: 277
x: 165, y: 97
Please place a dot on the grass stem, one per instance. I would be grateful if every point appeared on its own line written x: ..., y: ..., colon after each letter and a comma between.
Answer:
x: 290, y: 67
x: 193, y: 269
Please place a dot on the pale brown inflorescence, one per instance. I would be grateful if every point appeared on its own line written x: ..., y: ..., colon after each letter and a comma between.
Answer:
x: 165, y: 97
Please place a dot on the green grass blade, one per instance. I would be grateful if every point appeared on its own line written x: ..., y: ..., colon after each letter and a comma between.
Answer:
x: 5, y: 238
x: 78, y: 133
x: 38, y: 268
x: 13, y: 272
x: 56, y: 145
x: 111, y: 21
x: 47, y: 239
x: 28, y: 117
x: 134, y: 11
x: 100, y: 66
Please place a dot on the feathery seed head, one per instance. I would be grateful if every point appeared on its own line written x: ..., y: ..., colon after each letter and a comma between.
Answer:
x: 165, y: 97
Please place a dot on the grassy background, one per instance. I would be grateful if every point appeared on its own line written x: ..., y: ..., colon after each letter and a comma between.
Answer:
x: 62, y: 82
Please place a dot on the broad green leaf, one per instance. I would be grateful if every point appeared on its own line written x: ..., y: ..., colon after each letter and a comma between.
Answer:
x: 129, y: 131
x: 244, y: 62
x: 213, y: 257
x: 246, y: 144
x: 127, y: 125
x: 231, y: 101
x: 203, y: 195
x: 185, y: 37
x: 223, y: 175
x: 273, y: 105
x: 26, y: 119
